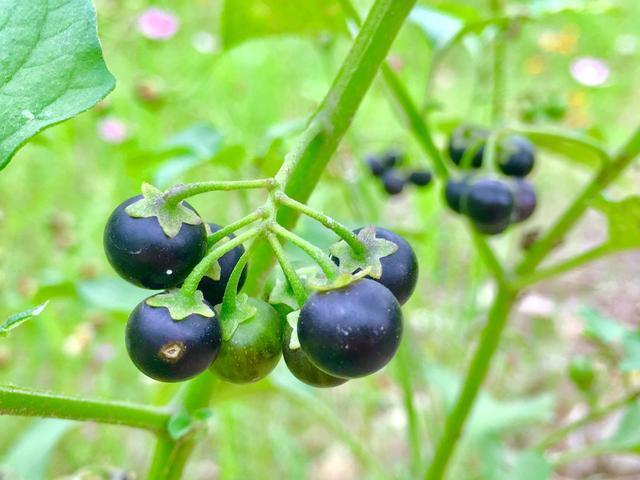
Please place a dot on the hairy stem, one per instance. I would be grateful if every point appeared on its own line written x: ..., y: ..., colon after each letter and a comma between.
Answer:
x: 591, y: 417
x: 170, y: 456
x: 343, y: 232
x: 33, y: 403
x: 476, y: 372
x: 191, y: 283
x: 237, y: 225
x: 304, y: 167
x: 290, y: 273
x: 231, y: 290
x: 329, y: 268
x: 565, y: 266
x: 181, y: 192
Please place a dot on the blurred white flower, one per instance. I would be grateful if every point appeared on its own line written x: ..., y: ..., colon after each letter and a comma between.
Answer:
x: 158, y: 24
x: 590, y: 71
x: 112, y: 130
x: 204, y: 42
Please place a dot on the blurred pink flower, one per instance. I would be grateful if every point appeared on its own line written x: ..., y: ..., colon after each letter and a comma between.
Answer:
x: 590, y: 71
x: 158, y: 24
x: 112, y: 130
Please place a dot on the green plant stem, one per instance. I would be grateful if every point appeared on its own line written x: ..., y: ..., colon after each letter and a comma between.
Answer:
x: 181, y: 192
x: 605, y: 176
x: 32, y: 403
x: 290, y: 273
x: 237, y: 225
x: 488, y: 257
x: 593, y: 416
x: 304, y: 167
x: 170, y: 456
x: 229, y: 299
x: 411, y: 114
x: 343, y: 232
x: 564, y: 266
x: 329, y: 268
x: 404, y: 375
x: 588, y: 452
x: 476, y: 372
x: 191, y: 283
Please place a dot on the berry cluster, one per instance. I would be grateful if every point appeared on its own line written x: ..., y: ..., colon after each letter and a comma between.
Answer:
x: 394, y: 180
x: 343, y: 328
x: 492, y: 204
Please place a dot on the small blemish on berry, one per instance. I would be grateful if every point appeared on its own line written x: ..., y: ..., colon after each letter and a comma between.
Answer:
x: 172, y: 352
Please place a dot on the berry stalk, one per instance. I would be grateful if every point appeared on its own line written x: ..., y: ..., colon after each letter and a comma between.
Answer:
x: 290, y: 273
x: 237, y: 225
x: 181, y: 192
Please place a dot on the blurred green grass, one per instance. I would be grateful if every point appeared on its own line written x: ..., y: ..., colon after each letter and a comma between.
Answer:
x: 57, y: 193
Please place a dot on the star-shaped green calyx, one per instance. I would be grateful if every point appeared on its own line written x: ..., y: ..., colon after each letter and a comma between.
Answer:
x: 292, y: 320
x: 181, y: 306
x: 230, y: 319
x: 374, y: 249
x: 170, y: 215
x: 322, y: 284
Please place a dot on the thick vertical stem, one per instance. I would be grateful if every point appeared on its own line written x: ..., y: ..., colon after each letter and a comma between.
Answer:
x: 476, y: 373
x: 332, y: 119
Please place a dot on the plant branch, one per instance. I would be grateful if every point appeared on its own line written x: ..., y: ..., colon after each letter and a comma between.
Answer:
x: 304, y: 167
x: 591, y: 417
x: 564, y: 266
x: 237, y: 225
x: 343, y: 232
x: 31, y: 403
x: 290, y: 273
x: 181, y: 192
x: 476, y: 372
x: 329, y: 268
x: 193, y: 280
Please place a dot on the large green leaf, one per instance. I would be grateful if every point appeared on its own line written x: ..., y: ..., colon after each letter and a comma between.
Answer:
x: 243, y: 20
x: 624, y: 221
x: 51, y: 67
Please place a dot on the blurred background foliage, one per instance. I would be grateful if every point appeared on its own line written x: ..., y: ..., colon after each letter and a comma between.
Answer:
x: 223, y: 98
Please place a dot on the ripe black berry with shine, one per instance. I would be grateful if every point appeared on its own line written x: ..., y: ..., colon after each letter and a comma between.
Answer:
x: 420, y: 178
x: 393, y: 182
x: 302, y: 368
x: 140, y: 251
x: 526, y: 200
x: 213, y: 290
x: 516, y: 156
x: 171, y: 350
x: 490, y: 204
x: 454, y: 193
x: 254, y: 349
x: 468, y: 138
x: 352, y: 331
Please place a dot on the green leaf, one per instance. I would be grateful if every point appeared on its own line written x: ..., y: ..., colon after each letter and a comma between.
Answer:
x: 244, y: 20
x: 51, y: 67
x: 30, y: 453
x: 573, y: 146
x: 292, y: 320
x: 601, y: 328
x: 170, y: 216
x: 531, y: 465
x: 624, y: 221
x: 241, y: 312
x: 179, y: 306
x: 375, y: 249
x: 179, y: 425
x: 18, y: 319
